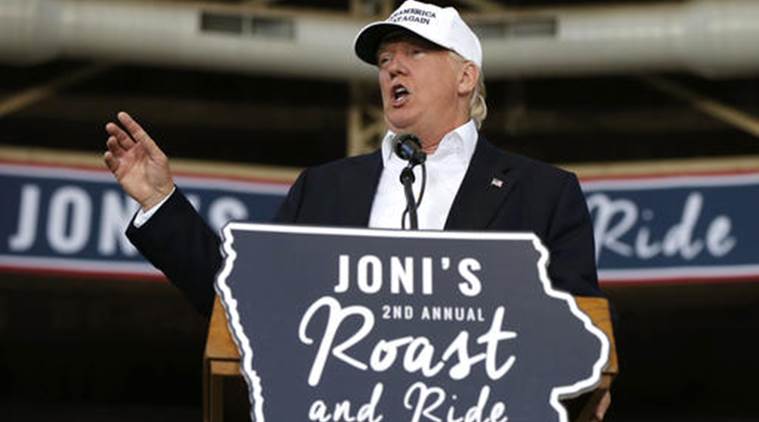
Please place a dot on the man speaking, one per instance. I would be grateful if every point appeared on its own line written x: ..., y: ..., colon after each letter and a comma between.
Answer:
x: 429, y: 66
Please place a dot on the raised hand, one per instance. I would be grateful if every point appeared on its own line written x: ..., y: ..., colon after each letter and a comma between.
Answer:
x: 139, y: 165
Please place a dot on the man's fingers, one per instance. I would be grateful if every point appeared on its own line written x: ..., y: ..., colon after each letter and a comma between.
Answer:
x: 132, y: 126
x: 122, y: 137
x: 111, y: 161
x: 603, y: 406
x: 114, y: 147
x: 138, y: 133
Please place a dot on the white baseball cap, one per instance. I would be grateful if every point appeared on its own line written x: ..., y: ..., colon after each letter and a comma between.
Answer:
x: 441, y: 26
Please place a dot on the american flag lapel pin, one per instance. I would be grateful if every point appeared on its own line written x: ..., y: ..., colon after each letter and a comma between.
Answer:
x: 498, y: 183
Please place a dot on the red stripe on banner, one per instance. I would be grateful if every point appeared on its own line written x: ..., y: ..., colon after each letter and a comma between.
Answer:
x: 680, y: 281
x: 667, y: 175
x: 82, y: 167
x: 84, y: 275
x: 103, y: 170
x: 231, y: 178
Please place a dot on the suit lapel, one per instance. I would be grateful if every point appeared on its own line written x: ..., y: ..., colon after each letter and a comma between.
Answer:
x: 359, y: 185
x: 490, y: 178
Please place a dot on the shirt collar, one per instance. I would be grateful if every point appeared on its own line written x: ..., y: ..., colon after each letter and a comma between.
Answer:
x: 459, y: 142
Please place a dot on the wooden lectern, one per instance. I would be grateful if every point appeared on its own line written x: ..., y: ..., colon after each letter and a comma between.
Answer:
x: 222, y: 360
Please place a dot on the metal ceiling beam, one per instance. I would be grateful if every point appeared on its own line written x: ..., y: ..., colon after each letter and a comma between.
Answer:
x: 30, y: 96
x: 484, y: 5
x: 365, y: 123
x: 706, y: 37
x: 709, y: 106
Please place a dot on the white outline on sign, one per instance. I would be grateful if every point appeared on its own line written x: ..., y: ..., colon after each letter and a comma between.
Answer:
x: 255, y: 390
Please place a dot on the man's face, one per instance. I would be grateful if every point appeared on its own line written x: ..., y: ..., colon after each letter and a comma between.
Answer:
x: 418, y: 82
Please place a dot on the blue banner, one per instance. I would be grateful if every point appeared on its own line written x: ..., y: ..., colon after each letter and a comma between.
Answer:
x: 654, y: 228
x: 65, y: 219
x: 676, y: 228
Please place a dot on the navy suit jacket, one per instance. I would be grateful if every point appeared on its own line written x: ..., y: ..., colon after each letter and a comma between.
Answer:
x: 534, y: 197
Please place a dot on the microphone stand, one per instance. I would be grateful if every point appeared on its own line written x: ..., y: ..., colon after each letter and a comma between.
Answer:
x: 407, y: 179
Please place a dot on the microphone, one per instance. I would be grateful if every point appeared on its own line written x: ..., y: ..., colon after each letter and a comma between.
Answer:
x: 408, y: 147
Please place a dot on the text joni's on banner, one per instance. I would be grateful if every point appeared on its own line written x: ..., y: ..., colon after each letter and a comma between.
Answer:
x: 73, y: 219
x: 383, y: 325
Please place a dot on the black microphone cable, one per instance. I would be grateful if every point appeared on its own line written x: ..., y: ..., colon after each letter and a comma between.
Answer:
x: 421, y: 195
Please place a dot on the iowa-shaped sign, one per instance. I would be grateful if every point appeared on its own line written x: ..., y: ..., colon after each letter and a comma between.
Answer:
x: 384, y: 325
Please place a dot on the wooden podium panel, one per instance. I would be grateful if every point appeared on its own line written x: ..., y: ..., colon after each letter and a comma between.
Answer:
x: 222, y: 359
x: 598, y: 310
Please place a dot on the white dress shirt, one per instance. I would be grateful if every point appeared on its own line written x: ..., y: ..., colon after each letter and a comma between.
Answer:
x: 142, y: 217
x: 446, y: 168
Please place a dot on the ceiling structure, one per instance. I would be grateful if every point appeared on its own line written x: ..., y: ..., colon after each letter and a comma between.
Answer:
x: 260, y: 118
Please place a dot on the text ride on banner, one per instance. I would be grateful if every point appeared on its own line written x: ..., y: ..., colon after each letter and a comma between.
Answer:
x: 384, y: 325
x: 675, y: 227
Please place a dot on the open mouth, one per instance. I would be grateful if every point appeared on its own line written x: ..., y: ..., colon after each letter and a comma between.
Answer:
x: 400, y: 95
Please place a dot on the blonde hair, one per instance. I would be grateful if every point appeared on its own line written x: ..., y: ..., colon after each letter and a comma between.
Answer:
x: 478, y: 108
